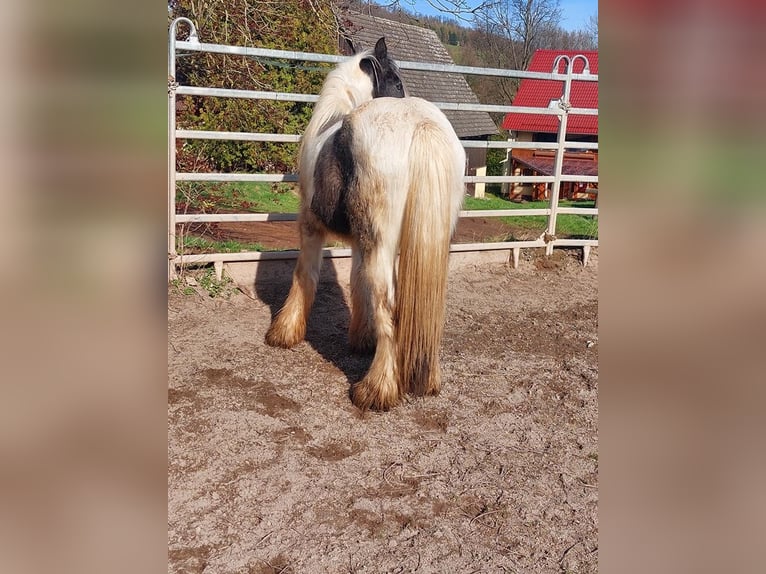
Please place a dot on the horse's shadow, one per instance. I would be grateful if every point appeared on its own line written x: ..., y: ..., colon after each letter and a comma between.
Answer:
x: 327, y: 328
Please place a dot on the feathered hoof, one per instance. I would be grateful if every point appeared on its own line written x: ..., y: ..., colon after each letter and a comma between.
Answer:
x: 375, y: 393
x: 425, y: 383
x: 433, y: 391
x: 434, y: 385
x: 280, y: 336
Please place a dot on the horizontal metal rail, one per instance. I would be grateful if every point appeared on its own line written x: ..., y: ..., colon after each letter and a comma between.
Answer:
x: 233, y: 217
x: 246, y: 94
x: 579, y: 178
x: 504, y: 109
x: 527, y: 145
x: 263, y: 177
x: 311, y: 98
x: 293, y: 177
x: 467, y: 214
x: 529, y: 178
x: 574, y: 242
x: 495, y: 246
x: 578, y: 210
x: 240, y: 136
x: 404, y: 64
x: 296, y: 138
x: 289, y: 254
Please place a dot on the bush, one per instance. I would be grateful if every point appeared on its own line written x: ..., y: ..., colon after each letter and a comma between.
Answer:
x: 288, y: 25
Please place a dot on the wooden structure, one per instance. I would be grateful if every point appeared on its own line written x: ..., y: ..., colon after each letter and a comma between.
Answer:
x: 540, y: 162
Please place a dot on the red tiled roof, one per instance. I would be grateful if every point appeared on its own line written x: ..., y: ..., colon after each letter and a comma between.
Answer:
x: 539, y: 93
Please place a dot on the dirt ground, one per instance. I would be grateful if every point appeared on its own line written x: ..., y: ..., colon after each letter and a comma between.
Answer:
x: 271, y: 469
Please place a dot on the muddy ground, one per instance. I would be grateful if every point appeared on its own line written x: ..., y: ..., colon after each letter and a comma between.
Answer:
x: 271, y: 469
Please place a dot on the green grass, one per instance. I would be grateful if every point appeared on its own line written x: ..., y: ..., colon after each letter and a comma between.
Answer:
x: 192, y: 243
x: 580, y: 226
x: 237, y: 197
x: 215, y: 287
x: 194, y: 281
x: 274, y: 198
x: 490, y: 201
x: 245, y: 197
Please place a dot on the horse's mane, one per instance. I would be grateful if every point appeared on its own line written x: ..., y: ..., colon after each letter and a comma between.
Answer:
x: 346, y: 87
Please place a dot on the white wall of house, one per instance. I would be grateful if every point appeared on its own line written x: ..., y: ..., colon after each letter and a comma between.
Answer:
x: 479, y: 189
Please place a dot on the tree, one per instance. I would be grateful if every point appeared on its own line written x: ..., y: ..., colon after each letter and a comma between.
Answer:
x: 523, y: 23
x: 509, y: 33
x: 592, y: 29
x: 560, y: 39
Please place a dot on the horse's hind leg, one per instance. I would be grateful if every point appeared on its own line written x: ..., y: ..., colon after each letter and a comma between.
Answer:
x: 361, y: 332
x: 379, y: 389
x: 288, y: 327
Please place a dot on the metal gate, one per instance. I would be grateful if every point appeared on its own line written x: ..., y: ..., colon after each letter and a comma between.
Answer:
x: 563, y: 110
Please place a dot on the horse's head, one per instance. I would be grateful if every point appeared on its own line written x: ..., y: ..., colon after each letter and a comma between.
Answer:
x: 367, y: 75
x: 383, y: 72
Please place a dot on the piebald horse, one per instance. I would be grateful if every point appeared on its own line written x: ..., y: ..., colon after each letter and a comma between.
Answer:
x: 384, y: 172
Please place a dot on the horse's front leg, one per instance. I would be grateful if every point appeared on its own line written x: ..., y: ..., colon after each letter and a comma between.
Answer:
x: 379, y: 389
x: 288, y: 328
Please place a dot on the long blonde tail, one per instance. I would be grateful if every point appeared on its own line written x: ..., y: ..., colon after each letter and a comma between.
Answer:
x: 421, y: 282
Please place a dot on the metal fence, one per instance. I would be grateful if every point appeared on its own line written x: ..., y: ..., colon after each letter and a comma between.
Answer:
x: 547, y: 239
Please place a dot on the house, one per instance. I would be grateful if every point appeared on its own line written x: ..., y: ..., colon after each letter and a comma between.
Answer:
x: 525, y: 127
x: 413, y: 43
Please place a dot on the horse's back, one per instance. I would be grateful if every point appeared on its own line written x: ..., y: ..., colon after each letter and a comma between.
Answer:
x: 366, y: 162
x: 399, y: 117
x: 384, y: 129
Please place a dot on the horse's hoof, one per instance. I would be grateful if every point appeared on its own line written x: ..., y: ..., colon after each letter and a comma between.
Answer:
x: 433, y: 391
x: 367, y: 395
x: 277, y: 337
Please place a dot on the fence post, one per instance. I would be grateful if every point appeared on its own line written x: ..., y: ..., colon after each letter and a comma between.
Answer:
x: 558, y: 161
x: 172, y: 85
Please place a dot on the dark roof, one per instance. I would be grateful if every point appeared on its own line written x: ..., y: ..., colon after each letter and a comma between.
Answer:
x: 539, y: 93
x: 416, y: 44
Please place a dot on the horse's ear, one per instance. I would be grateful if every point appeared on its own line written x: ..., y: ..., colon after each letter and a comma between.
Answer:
x: 381, y: 51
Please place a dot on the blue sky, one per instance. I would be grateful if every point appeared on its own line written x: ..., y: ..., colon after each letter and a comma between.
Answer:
x: 574, y: 13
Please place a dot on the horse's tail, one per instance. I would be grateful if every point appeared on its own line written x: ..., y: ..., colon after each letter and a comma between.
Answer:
x: 421, y: 283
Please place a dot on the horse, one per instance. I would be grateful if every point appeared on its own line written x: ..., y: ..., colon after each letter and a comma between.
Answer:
x: 384, y: 172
